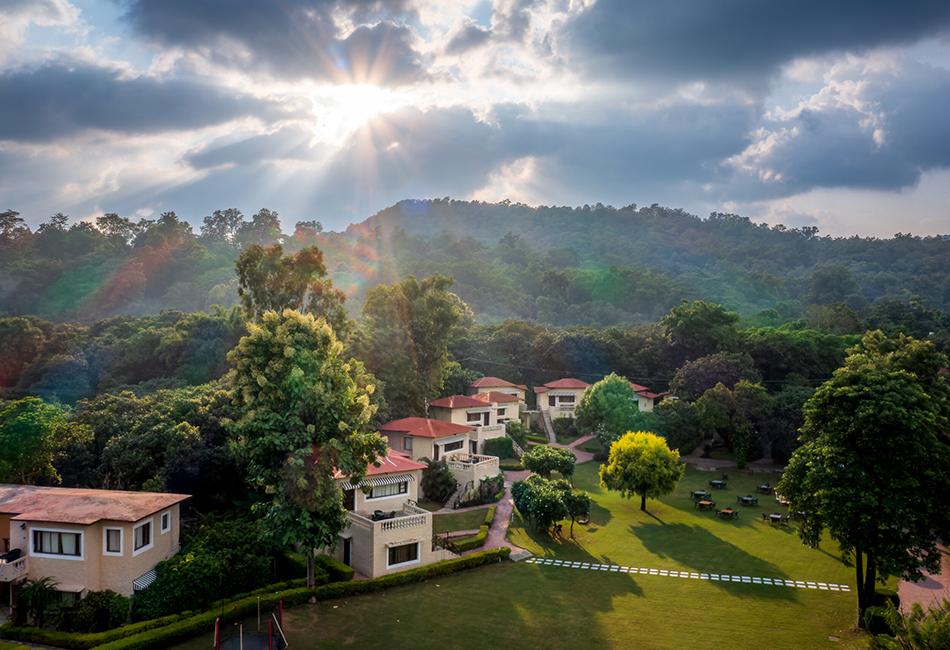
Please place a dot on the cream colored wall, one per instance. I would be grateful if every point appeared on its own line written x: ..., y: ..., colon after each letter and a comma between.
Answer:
x: 421, y: 447
x: 543, y: 398
x: 645, y: 404
x: 67, y: 572
x: 362, y: 504
x: 512, y: 411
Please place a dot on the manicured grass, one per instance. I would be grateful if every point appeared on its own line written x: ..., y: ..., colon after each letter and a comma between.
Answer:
x: 567, y: 438
x: 593, y: 446
x: 11, y: 645
x: 469, y: 520
x: 431, y: 506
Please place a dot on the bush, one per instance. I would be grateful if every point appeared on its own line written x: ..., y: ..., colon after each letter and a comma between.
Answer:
x: 564, y: 427
x: 488, y: 490
x: 438, y: 484
x: 500, y: 447
x: 517, y: 432
x: 510, y: 464
x: 336, y: 571
x: 542, y: 440
x: 203, y: 623
x: 543, y: 460
x: 97, y: 612
x: 477, y: 540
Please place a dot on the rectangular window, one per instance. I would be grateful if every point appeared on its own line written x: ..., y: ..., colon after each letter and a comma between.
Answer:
x: 452, y: 446
x: 473, y: 417
x: 49, y: 542
x: 143, y: 536
x: 113, y: 543
x: 501, y: 412
x: 552, y: 400
x: 405, y: 554
x: 567, y: 399
x: 392, y: 490
x: 166, y: 522
x: 407, y: 444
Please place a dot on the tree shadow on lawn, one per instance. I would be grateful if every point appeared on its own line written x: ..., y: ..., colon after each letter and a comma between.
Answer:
x: 701, y: 551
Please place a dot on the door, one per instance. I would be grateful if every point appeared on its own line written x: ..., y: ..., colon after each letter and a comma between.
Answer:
x: 347, y: 550
x: 349, y: 499
x: 552, y: 400
x: 435, y: 451
x: 473, y: 446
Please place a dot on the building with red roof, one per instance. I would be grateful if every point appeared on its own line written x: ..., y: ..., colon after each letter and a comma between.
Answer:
x: 494, y: 384
x: 486, y: 413
x: 426, y: 437
x: 560, y: 397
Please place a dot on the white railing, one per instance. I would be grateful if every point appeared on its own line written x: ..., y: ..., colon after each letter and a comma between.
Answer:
x: 10, y: 571
x: 470, y: 461
x: 491, y: 428
x: 410, y: 517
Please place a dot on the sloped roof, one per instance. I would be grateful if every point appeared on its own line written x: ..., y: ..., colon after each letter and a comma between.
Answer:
x: 81, y: 506
x: 497, y: 398
x: 457, y: 402
x: 638, y: 387
x: 496, y: 382
x: 567, y: 382
x: 424, y: 427
x: 392, y: 463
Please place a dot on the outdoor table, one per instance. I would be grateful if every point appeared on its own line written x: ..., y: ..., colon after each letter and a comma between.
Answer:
x: 717, y: 483
x: 700, y: 494
x: 748, y: 500
x: 728, y: 513
x: 775, y: 518
x: 765, y: 488
x: 705, y: 504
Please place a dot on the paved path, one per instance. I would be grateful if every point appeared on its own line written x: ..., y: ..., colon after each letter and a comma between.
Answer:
x: 929, y: 591
x: 582, y: 456
x: 497, y: 534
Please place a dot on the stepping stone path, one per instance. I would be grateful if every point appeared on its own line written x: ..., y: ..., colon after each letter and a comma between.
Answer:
x: 690, y: 575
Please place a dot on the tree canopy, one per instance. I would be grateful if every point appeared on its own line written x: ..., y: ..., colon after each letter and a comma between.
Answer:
x: 543, y: 459
x: 608, y: 408
x: 641, y: 463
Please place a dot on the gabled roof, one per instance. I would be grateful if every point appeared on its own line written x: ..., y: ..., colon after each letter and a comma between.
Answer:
x: 81, y: 506
x: 497, y: 398
x: 638, y: 387
x: 647, y: 394
x: 495, y: 382
x: 457, y: 402
x: 392, y: 463
x: 566, y: 383
x: 424, y: 428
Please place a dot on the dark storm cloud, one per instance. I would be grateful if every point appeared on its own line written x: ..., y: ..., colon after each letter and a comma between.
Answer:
x: 62, y: 99
x: 736, y: 40
x: 289, y: 39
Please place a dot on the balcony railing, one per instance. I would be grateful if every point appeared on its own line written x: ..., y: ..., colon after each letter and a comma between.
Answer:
x: 468, y: 461
x: 410, y: 516
x: 10, y: 571
x: 491, y: 429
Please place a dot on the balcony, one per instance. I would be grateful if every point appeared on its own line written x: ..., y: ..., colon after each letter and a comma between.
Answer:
x: 410, y: 516
x: 472, y: 467
x: 14, y: 570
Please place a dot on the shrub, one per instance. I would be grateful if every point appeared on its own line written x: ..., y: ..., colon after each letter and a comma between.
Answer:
x: 510, y: 464
x: 438, y: 484
x: 539, y: 501
x: 517, y: 432
x: 336, y: 571
x: 97, y: 612
x: 488, y: 490
x: 543, y: 460
x: 564, y: 426
x: 500, y: 447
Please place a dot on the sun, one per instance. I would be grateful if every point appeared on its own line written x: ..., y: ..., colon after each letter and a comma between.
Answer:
x: 339, y: 110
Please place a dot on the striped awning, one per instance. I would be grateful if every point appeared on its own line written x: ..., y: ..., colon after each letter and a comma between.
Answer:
x: 376, y: 481
x: 144, y: 580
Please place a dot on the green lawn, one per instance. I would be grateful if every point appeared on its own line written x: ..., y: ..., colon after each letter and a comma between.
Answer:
x: 593, y: 446
x: 567, y: 438
x: 431, y: 506
x: 469, y: 520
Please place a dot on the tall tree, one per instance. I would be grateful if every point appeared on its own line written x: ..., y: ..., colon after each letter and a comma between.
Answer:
x: 304, y: 414
x: 270, y: 280
x: 696, y: 376
x: 696, y: 328
x: 874, y: 466
x: 542, y: 460
x: 404, y: 339
x: 608, y: 408
x: 33, y: 435
x: 641, y: 464
x: 740, y: 416
x: 12, y: 226
x: 222, y: 225
x: 263, y: 229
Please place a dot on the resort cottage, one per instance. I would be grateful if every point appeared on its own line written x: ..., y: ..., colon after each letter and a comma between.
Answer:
x: 485, y: 413
x: 558, y: 399
x: 496, y: 385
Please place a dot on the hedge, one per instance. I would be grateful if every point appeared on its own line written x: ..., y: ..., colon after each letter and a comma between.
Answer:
x: 478, y: 539
x: 337, y: 571
x: 510, y: 464
x: 204, y: 623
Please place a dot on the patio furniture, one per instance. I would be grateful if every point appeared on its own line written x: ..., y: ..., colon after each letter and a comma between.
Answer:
x: 699, y: 494
x: 775, y: 518
x: 705, y: 504
x: 728, y: 513
x: 719, y: 484
x: 765, y: 488
x: 748, y: 500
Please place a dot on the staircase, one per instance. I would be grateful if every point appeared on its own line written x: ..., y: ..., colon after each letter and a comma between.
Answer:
x: 519, y: 451
x: 548, y: 426
x: 459, y: 493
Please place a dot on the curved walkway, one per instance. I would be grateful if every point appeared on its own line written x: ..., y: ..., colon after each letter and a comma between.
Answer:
x: 498, y: 533
x: 582, y: 456
x: 929, y: 591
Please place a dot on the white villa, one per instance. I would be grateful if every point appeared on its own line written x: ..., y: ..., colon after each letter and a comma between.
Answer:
x: 486, y: 385
x: 559, y: 398
x: 485, y: 413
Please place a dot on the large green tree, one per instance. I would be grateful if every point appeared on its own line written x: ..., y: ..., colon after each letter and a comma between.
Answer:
x: 696, y: 328
x: 404, y: 339
x: 697, y: 376
x: 542, y: 460
x: 874, y: 466
x: 304, y: 413
x: 33, y: 436
x: 608, y: 408
x: 640, y: 463
x: 740, y: 416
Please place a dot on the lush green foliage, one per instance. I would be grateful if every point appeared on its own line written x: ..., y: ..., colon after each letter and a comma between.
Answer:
x: 607, y: 408
x: 640, y: 463
x: 500, y: 447
x: 438, y: 483
x: 874, y: 465
x: 697, y: 376
x: 543, y: 459
x: 37, y: 595
x: 462, y: 544
x: 489, y: 490
x: 96, y: 612
x: 336, y: 571
x: 517, y: 432
x: 679, y: 423
x: 740, y: 416
x: 917, y: 630
x: 540, y: 501
x: 564, y: 427
x: 34, y: 436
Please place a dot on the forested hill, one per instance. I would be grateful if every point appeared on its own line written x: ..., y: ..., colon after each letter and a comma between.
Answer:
x: 564, y: 266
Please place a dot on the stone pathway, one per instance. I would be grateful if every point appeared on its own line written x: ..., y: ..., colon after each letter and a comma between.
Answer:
x: 929, y: 591
x: 497, y: 534
x: 582, y: 456
x: 693, y: 575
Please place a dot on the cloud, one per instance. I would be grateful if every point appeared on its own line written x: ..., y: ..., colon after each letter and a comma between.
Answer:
x: 17, y: 15
x: 296, y: 39
x: 734, y: 41
x: 510, y: 22
x: 62, y: 98
x: 285, y: 144
x: 871, y: 126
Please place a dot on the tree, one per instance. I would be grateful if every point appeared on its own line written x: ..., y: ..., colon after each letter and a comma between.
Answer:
x: 917, y: 630
x: 458, y: 378
x: 304, y: 413
x: 697, y: 376
x: 641, y: 463
x: 269, y: 280
x: 740, y: 416
x: 36, y: 597
x: 874, y: 465
x: 542, y: 460
x: 222, y: 225
x: 262, y: 230
x: 118, y: 229
x: 697, y: 328
x: 577, y: 504
x: 12, y: 226
x: 404, y: 339
x: 679, y: 424
x: 33, y: 435
x: 438, y: 483
x: 607, y: 408
x: 539, y: 501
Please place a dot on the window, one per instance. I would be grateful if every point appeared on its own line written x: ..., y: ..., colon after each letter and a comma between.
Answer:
x: 166, y: 522
x: 501, y: 412
x: 143, y: 537
x: 112, y: 541
x: 567, y: 399
x: 407, y: 443
x: 392, y: 490
x: 473, y: 417
x: 452, y: 446
x: 57, y: 542
x: 552, y: 400
x: 405, y: 554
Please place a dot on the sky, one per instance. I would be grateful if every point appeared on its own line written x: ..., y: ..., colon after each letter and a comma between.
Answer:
x: 826, y: 113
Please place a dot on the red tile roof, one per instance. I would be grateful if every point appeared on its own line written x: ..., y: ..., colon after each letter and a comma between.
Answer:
x: 392, y: 463
x: 568, y: 382
x: 496, y: 397
x: 424, y: 428
x: 647, y: 394
x: 81, y: 506
x: 457, y: 402
x: 495, y: 382
x: 638, y: 387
